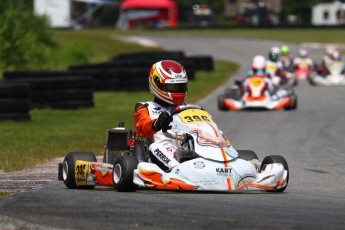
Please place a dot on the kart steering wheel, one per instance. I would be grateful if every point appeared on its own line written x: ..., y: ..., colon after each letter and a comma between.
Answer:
x: 181, y: 108
x: 176, y: 110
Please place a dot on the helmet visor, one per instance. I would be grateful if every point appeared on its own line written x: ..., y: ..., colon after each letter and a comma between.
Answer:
x: 259, y: 71
x: 175, y: 88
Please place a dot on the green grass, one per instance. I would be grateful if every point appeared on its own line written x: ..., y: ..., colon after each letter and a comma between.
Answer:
x: 3, y: 195
x: 53, y: 133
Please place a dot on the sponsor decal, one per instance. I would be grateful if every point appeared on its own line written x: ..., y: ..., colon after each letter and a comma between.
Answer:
x: 177, y: 171
x: 199, y: 164
x: 161, y: 156
x: 103, y: 168
x: 224, y: 172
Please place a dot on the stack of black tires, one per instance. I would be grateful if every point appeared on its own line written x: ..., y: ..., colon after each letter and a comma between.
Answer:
x: 74, y: 88
x: 14, y: 101
x: 130, y: 71
x: 55, y: 89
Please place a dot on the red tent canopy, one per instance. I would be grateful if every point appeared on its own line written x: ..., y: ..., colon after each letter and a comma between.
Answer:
x: 169, y: 5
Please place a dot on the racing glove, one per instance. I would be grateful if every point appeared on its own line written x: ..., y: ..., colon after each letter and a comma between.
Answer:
x: 162, y: 122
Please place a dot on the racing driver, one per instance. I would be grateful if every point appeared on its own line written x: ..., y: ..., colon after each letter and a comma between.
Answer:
x: 168, y: 84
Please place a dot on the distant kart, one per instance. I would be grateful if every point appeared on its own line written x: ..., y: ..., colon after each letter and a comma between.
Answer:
x: 258, y: 98
x: 303, y: 70
x: 208, y: 162
x: 335, y: 77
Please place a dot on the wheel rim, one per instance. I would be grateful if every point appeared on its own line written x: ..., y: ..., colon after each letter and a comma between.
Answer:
x: 117, y: 172
x: 65, y: 170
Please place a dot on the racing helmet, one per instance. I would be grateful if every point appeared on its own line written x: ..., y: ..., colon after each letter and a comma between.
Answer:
x: 336, y: 56
x: 259, y: 66
x: 302, y: 53
x: 285, y: 50
x: 274, y: 54
x: 168, y: 81
x: 329, y: 50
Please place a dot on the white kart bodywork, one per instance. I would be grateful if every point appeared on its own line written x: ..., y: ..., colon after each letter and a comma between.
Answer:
x: 335, y: 78
x: 217, y: 168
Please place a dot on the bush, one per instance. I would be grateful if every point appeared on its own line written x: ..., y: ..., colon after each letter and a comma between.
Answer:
x: 26, y: 39
x: 80, y: 53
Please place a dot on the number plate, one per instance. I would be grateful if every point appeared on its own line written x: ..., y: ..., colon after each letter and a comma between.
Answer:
x: 195, y: 116
x: 81, y: 171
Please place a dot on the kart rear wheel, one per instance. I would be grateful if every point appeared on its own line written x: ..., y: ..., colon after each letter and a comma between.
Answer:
x: 68, y: 168
x: 123, y: 170
x: 221, y: 105
x: 247, y: 155
x: 293, y: 104
x: 276, y: 159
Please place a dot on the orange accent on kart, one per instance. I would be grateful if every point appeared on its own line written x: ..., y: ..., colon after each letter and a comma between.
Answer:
x: 229, y: 104
x: 244, y: 185
x: 230, y: 184
x: 102, y: 174
x: 153, y: 179
x: 285, y: 102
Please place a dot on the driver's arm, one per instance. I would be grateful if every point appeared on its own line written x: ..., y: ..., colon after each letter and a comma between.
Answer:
x: 143, y: 122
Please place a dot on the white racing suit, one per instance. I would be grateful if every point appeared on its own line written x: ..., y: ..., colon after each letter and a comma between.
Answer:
x: 161, y: 147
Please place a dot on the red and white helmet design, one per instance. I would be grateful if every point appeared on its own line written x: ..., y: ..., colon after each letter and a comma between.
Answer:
x: 168, y: 81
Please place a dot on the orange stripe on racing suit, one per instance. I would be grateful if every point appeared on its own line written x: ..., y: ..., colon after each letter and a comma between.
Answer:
x: 143, y: 122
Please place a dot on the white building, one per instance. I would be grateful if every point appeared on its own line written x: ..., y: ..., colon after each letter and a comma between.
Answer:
x: 60, y: 12
x: 327, y: 14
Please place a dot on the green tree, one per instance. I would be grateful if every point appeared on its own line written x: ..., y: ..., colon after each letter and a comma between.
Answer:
x: 300, y: 8
x: 25, y: 39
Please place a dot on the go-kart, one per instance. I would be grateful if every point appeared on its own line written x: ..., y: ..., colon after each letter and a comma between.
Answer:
x: 283, y: 79
x: 208, y: 162
x: 335, y: 77
x: 258, y: 97
x: 303, y: 70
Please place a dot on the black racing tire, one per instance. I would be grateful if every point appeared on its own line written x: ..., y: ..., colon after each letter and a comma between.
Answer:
x: 15, y: 105
x: 68, y: 171
x: 234, y: 93
x: 34, y: 74
x: 61, y: 95
x: 123, y: 171
x: 14, y: 90
x: 276, y: 159
x: 221, y: 105
x: 293, y: 104
x: 247, y: 155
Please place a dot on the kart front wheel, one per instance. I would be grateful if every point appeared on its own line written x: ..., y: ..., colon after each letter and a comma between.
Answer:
x: 123, y: 171
x: 221, y: 105
x: 276, y: 159
x: 293, y: 104
x: 68, y: 168
x: 247, y: 155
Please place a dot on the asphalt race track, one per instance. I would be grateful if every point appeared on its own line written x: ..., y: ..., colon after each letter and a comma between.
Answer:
x: 310, y: 138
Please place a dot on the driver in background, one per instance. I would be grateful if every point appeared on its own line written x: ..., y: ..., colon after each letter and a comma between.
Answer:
x: 258, y: 69
x: 334, y: 56
x: 303, y: 57
x: 168, y: 84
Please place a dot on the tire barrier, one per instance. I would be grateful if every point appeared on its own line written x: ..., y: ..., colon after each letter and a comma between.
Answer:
x: 113, y: 79
x: 159, y: 54
x: 55, y: 89
x: 130, y: 71
x: 14, y: 101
